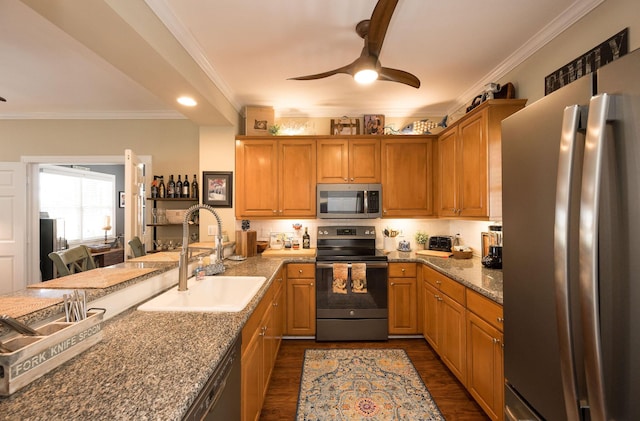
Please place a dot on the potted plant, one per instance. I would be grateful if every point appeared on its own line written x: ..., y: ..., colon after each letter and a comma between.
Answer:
x: 422, y: 238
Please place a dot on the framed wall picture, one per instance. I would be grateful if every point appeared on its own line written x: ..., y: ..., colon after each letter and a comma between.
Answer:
x: 373, y: 124
x: 121, y: 199
x: 345, y: 126
x: 217, y: 188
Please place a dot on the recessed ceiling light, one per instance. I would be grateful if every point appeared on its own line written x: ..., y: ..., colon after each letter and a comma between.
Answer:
x: 187, y: 101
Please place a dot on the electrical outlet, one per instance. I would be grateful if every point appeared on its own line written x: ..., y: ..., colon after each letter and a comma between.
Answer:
x: 211, y: 230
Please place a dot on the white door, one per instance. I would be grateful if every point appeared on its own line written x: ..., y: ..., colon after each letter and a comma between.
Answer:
x: 13, y: 226
x: 134, y: 200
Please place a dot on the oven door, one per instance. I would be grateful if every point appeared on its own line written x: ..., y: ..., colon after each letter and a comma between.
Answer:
x: 354, y: 301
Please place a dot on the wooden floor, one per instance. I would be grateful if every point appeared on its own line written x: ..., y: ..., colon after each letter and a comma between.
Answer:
x: 450, y: 396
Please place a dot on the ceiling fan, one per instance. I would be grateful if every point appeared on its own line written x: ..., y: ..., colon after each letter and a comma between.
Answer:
x: 367, y: 67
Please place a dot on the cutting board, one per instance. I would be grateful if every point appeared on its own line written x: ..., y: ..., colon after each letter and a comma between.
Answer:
x: 289, y: 253
x: 246, y: 243
x: 434, y: 253
x: 94, y: 279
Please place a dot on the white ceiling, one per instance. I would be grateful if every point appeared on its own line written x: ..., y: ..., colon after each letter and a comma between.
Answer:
x: 115, y: 59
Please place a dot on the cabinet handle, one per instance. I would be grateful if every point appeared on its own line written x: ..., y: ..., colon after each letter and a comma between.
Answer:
x: 393, y: 283
x: 495, y: 340
x: 500, y: 319
x: 438, y: 282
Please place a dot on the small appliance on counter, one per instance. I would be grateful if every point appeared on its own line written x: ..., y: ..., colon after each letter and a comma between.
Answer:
x: 440, y: 242
x: 493, y: 258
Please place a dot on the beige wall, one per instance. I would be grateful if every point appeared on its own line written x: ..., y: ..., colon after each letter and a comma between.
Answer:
x: 601, y: 23
x: 173, y: 144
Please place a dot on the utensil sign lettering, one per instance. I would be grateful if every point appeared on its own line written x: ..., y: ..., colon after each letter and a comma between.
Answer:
x: 36, y: 360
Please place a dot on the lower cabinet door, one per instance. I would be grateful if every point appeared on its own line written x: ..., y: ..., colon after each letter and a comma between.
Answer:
x: 485, y: 366
x: 252, y: 378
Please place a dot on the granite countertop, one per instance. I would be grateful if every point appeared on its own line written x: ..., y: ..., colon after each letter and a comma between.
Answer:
x: 149, y: 365
x: 468, y: 272
x: 152, y: 365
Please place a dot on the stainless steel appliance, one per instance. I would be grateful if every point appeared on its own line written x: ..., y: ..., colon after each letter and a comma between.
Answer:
x: 493, y: 258
x: 440, y: 242
x: 351, y: 285
x: 349, y: 201
x: 220, y: 397
x: 571, y: 201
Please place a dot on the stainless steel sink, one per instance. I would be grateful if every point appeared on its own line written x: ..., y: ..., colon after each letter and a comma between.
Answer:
x: 211, y: 294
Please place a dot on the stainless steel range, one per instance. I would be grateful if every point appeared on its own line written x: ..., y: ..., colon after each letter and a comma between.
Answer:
x: 351, y: 285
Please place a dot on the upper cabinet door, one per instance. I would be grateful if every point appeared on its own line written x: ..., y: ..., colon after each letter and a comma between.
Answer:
x: 447, y: 173
x: 472, y: 169
x: 297, y: 178
x: 348, y: 161
x: 256, y: 178
x: 407, y: 181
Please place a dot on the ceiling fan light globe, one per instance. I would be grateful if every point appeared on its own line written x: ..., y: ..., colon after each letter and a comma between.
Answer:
x: 365, y: 76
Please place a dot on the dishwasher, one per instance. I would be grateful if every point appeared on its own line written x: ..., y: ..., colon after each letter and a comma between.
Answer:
x: 220, y: 397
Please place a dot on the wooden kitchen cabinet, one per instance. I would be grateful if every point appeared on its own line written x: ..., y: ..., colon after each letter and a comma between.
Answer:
x: 348, y: 161
x: 444, y: 322
x: 407, y: 176
x: 301, y: 299
x: 403, y: 298
x: 485, y: 360
x: 261, y: 338
x: 275, y: 178
x: 470, y: 162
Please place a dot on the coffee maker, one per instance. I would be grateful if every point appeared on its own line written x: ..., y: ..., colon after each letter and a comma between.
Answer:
x: 493, y: 257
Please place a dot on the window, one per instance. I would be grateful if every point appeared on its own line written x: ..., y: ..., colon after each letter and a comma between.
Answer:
x: 83, y: 199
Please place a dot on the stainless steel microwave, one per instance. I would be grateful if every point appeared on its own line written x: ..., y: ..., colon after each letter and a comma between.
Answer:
x: 349, y: 201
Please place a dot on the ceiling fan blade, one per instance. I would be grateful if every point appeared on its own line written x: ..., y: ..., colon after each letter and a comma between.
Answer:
x: 344, y: 69
x: 395, y: 75
x: 378, y: 25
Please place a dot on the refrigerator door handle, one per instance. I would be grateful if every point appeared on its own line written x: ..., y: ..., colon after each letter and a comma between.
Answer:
x: 567, y: 156
x: 599, y: 112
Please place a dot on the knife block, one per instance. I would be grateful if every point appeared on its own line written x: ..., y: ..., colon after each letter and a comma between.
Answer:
x: 246, y: 243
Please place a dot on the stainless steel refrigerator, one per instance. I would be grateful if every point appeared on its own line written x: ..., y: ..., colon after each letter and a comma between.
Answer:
x: 571, y: 250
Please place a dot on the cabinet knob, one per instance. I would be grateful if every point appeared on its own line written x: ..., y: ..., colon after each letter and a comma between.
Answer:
x: 393, y: 283
x: 351, y: 178
x: 345, y: 179
x: 402, y: 270
x: 500, y: 319
x: 311, y: 284
x: 438, y: 282
x: 299, y: 270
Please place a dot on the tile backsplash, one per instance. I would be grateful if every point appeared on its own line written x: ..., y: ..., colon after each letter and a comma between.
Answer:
x: 469, y: 230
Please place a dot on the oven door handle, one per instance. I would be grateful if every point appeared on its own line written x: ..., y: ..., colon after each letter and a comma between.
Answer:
x: 373, y: 265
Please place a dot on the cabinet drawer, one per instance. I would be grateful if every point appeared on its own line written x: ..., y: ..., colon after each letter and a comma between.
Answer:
x: 402, y: 270
x: 453, y: 289
x: 489, y: 310
x: 301, y: 270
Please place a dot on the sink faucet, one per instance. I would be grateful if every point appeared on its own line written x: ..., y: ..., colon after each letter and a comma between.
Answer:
x: 183, y: 264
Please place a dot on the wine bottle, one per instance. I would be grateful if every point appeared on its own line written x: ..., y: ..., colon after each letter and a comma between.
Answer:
x: 185, y: 187
x: 194, y: 188
x: 306, y: 239
x: 162, y: 190
x: 179, y: 187
x: 154, y: 187
x: 171, y: 188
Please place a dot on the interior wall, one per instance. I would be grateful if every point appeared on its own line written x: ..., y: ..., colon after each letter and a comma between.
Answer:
x: 601, y: 23
x: 172, y: 144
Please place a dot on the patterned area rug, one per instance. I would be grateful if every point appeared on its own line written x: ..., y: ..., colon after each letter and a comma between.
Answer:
x: 363, y: 384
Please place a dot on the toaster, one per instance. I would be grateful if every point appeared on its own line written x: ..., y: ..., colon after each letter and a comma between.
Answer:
x: 440, y: 242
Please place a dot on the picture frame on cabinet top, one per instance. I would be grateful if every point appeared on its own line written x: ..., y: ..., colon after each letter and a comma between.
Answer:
x: 217, y: 188
x: 345, y: 126
x: 374, y: 124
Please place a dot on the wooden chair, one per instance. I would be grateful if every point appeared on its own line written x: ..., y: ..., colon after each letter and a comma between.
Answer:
x: 136, y: 247
x: 75, y: 259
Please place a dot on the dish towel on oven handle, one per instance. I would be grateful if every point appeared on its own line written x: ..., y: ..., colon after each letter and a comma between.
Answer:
x: 340, y: 275
x: 359, y: 277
